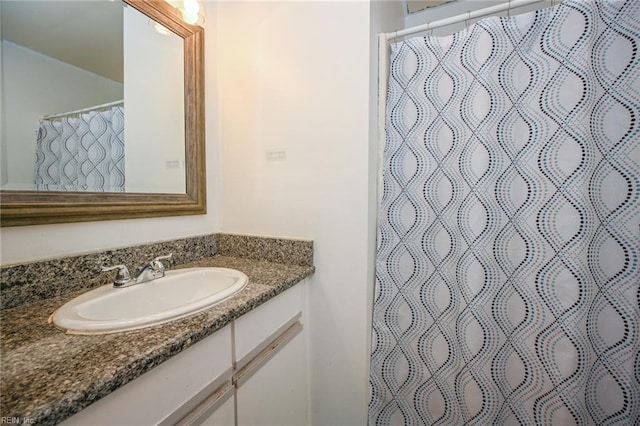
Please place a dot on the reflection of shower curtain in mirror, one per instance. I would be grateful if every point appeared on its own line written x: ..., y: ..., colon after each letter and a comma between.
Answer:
x: 83, y: 152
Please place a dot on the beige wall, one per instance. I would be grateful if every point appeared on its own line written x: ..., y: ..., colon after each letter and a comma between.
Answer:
x: 294, y: 131
x: 154, y: 107
x: 298, y: 99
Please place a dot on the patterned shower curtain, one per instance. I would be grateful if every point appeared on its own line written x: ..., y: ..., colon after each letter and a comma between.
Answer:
x: 508, y: 276
x: 83, y: 152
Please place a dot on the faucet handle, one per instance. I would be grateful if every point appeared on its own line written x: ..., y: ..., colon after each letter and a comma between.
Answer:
x: 122, y: 276
x: 156, y: 264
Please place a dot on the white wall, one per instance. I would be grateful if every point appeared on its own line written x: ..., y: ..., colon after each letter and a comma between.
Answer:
x: 35, y: 85
x: 25, y: 243
x: 154, y: 107
x: 297, y: 99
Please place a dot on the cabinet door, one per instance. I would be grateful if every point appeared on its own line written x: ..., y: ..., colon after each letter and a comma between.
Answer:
x: 169, y: 391
x: 276, y: 393
x: 271, y: 363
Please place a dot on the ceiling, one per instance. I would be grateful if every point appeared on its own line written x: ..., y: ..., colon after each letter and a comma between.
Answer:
x: 418, y: 5
x: 86, y: 34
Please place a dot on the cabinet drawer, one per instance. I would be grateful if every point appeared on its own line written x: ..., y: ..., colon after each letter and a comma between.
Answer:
x: 255, y: 328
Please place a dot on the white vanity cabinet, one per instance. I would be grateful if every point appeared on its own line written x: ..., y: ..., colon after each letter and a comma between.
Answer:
x: 271, y: 376
x: 252, y: 372
x: 270, y: 379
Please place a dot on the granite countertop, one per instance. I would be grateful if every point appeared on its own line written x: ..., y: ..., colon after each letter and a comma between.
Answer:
x: 48, y: 375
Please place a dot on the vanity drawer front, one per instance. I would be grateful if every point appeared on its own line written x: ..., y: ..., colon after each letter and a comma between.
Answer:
x: 169, y: 391
x: 266, y: 322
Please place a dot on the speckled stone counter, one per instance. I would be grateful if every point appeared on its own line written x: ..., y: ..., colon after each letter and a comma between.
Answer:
x: 48, y: 375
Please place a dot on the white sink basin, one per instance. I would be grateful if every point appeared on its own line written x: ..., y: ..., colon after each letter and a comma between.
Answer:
x: 181, y: 292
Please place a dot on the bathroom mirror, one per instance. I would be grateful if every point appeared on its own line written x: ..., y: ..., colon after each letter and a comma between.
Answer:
x: 26, y: 207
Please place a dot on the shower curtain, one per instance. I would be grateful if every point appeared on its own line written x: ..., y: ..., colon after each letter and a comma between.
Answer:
x: 507, y: 273
x: 81, y: 152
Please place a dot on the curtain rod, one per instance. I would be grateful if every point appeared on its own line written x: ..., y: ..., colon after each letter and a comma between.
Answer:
x: 512, y: 4
x: 80, y: 111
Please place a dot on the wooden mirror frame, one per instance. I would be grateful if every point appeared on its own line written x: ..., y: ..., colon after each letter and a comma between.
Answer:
x: 19, y: 208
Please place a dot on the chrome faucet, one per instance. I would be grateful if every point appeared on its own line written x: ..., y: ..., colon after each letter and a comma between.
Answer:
x: 151, y: 271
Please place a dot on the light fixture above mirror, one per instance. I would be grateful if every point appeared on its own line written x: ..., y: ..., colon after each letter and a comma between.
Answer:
x: 32, y: 207
x: 191, y: 12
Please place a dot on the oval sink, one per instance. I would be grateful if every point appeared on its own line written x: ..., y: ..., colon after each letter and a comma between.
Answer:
x: 181, y: 292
